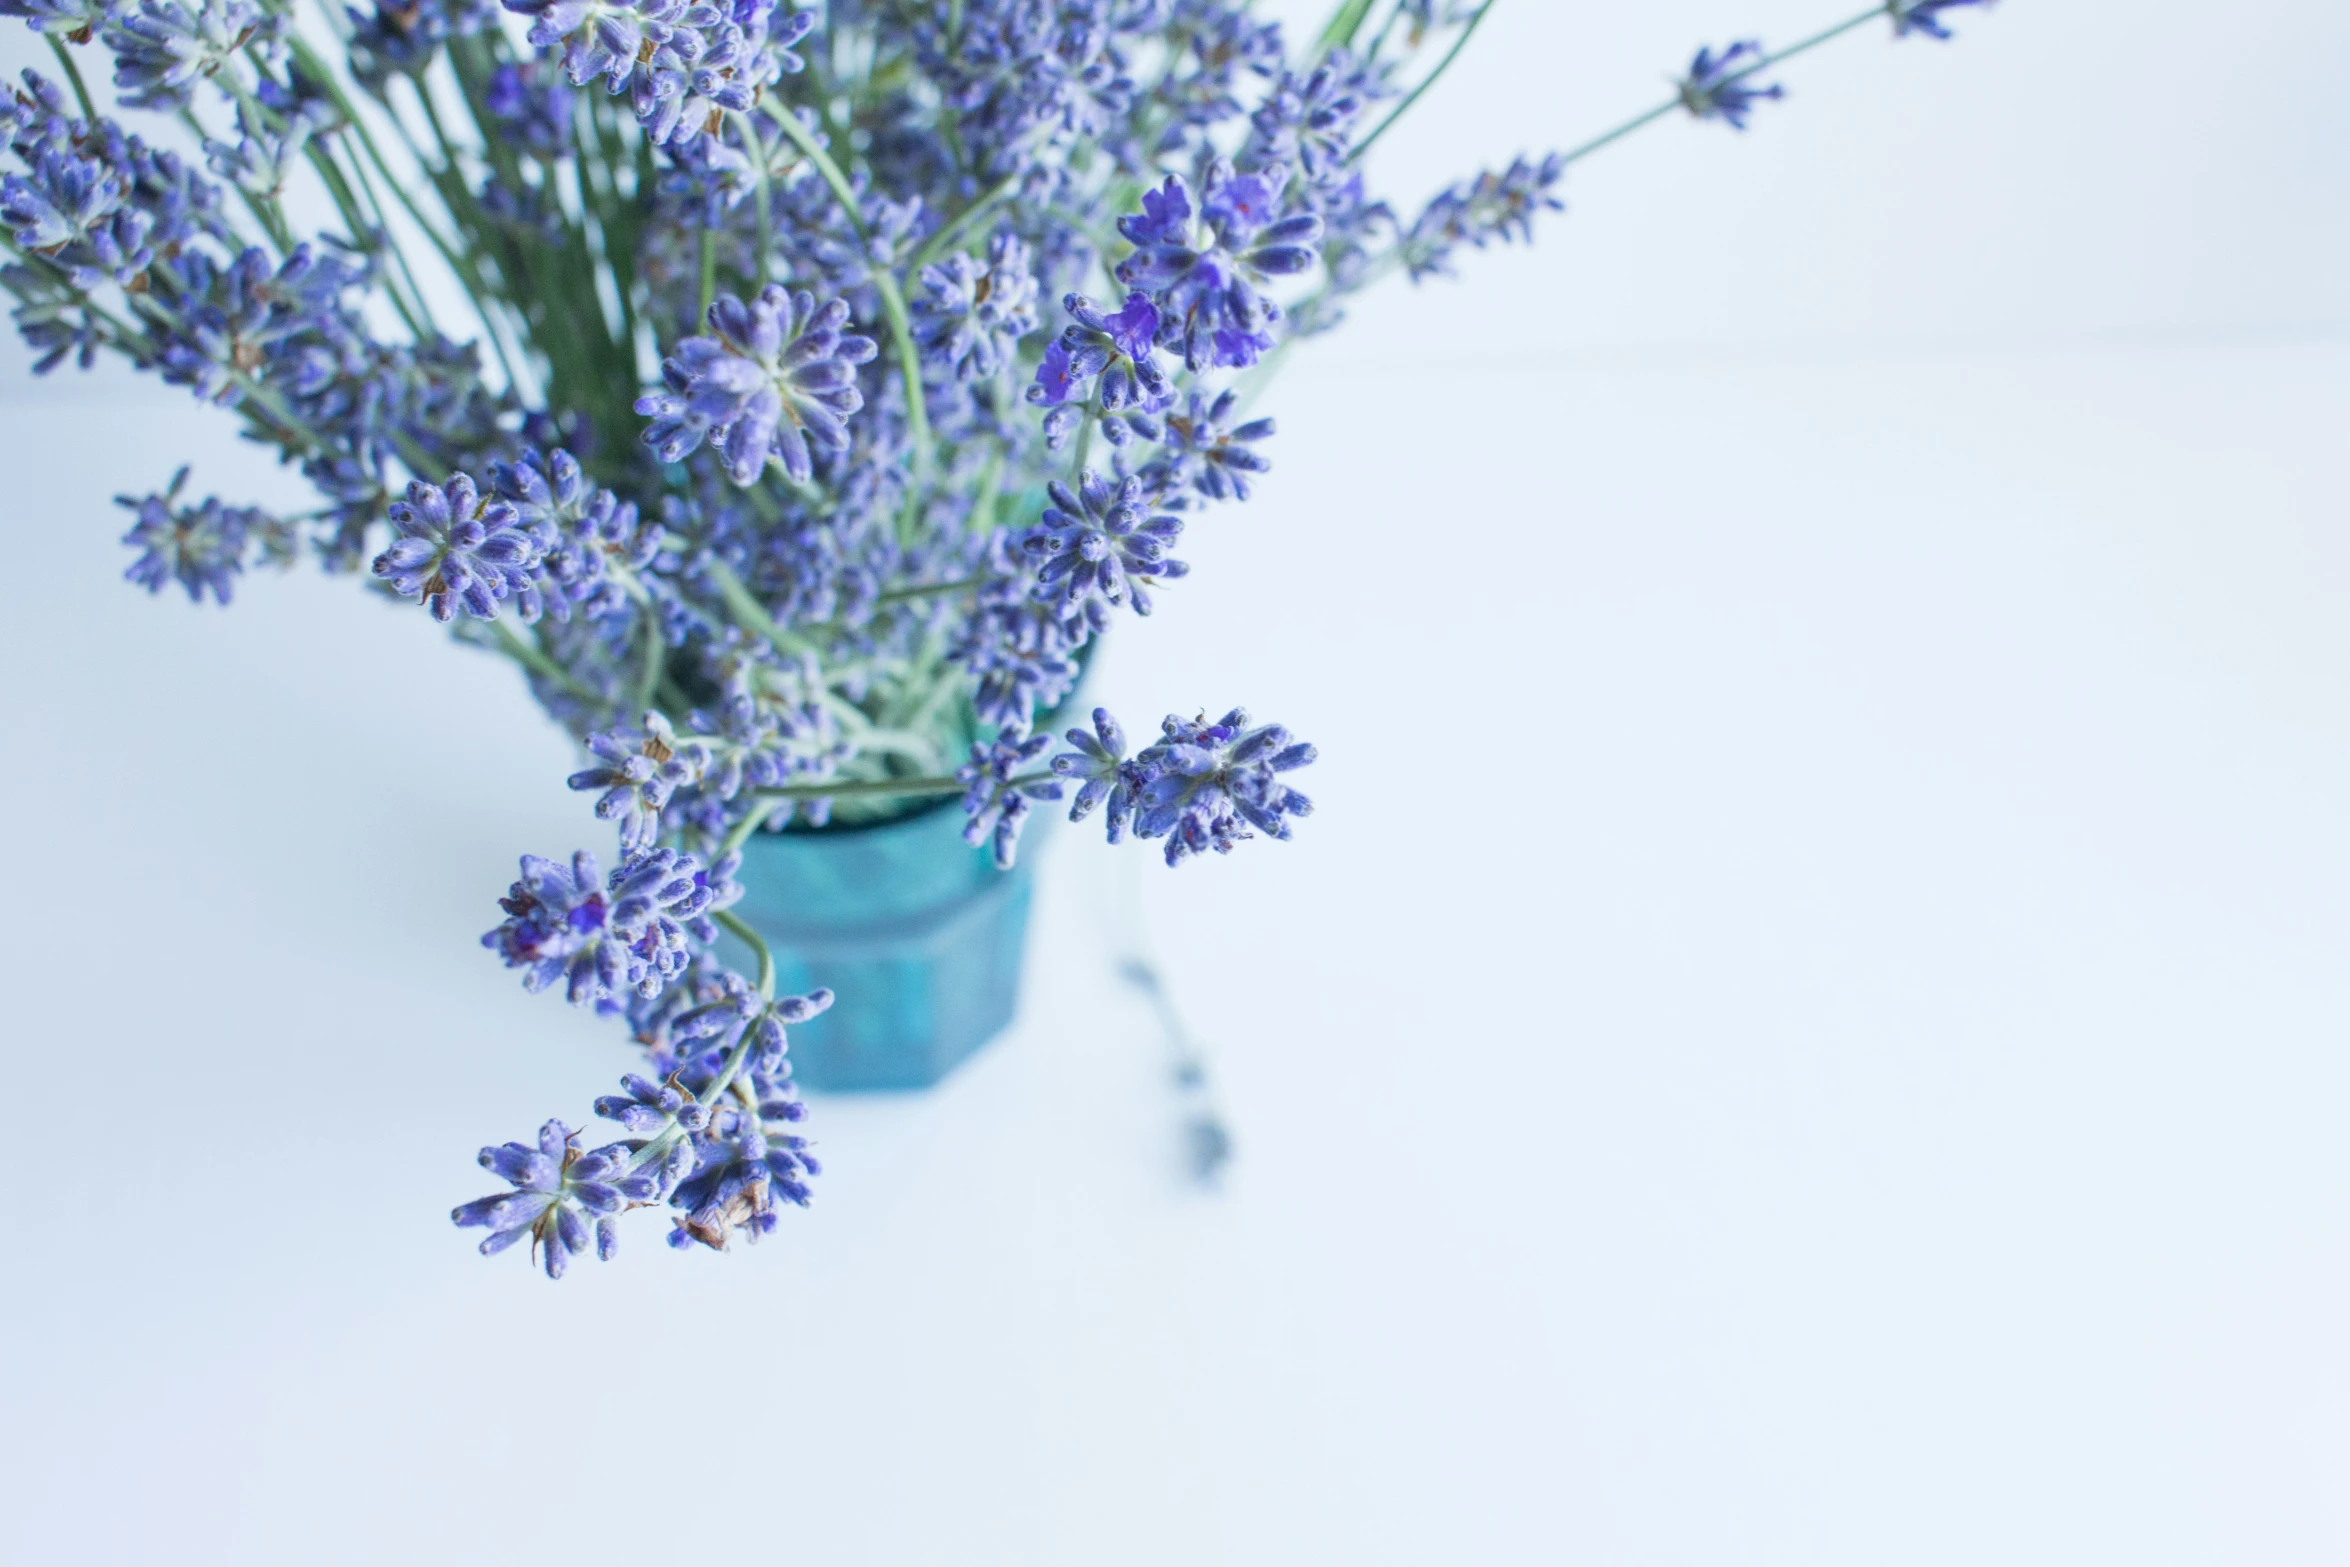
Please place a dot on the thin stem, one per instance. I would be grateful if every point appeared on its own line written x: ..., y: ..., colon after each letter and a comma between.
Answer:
x: 1344, y: 23
x: 73, y: 74
x: 418, y: 315
x: 938, y: 243
x: 877, y: 788
x: 742, y: 932
x: 745, y: 829
x: 927, y: 590
x: 884, y: 788
x: 1621, y: 131
x: 750, y: 614
x: 709, y: 277
x: 1426, y: 82
x: 648, y: 678
x: 653, y: 1152
x: 1763, y: 64
x: 454, y: 188
x: 533, y: 659
x: 885, y: 283
x: 1814, y: 41
x: 318, y: 69
x: 764, y: 200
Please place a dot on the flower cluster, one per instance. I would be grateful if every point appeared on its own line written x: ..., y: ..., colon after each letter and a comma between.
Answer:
x: 202, y: 548
x: 776, y: 379
x: 712, y: 1140
x: 1200, y: 786
x: 1924, y: 16
x: 1720, y: 87
x: 793, y: 410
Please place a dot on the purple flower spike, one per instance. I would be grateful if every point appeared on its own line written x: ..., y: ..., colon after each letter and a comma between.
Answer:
x: 1924, y: 16
x: 604, y: 938
x: 555, y: 1187
x: 1097, y: 542
x: 776, y: 378
x: 459, y: 551
x: 1209, y: 452
x: 1203, y: 277
x: 997, y: 792
x: 1099, y: 765
x: 1716, y: 88
x: 1115, y: 349
x: 971, y: 316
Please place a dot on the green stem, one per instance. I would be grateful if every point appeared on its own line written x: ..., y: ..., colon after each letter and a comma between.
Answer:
x: 763, y: 199
x: 648, y: 678
x: 885, y: 283
x: 1815, y: 40
x: 653, y: 1152
x: 927, y: 590
x: 1621, y: 131
x: 73, y: 74
x: 744, y: 829
x: 1426, y: 82
x: 750, y: 614
x: 457, y: 196
x: 939, y: 243
x: 884, y: 788
x: 709, y: 277
x: 417, y: 316
x: 1763, y: 64
x: 1344, y: 23
x: 537, y: 662
x: 467, y: 279
x: 875, y: 788
x: 741, y: 931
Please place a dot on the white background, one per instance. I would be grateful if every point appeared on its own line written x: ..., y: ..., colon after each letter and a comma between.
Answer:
x: 1806, y: 1029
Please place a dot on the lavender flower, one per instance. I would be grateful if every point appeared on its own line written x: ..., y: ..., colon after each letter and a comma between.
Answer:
x: 532, y: 109
x: 997, y: 790
x: 1492, y: 206
x: 1206, y: 450
x: 1097, y: 542
x: 1716, y: 88
x: 970, y: 318
x: 69, y: 19
x: 646, y: 1107
x: 739, y: 1171
x: 202, y: 548
x: 641, y: 771
x: 1118, y: 350
x: 779, y: 374
x: 1924, y: 16
x: 590, y: 540
x: 555, y: 1187
x: 603, y: 937
x: 1018, y: 652
x: 404, y: 37
x: 1202, y: 786
x: 457, y: 550
x: 1308, y: 120
x: 74, y: 212
x: 162, y: 47
x: 1102, y: 772
x: 1203, y: 270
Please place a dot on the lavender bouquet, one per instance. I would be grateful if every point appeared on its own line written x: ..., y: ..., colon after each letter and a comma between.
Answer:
x: 792, y: 395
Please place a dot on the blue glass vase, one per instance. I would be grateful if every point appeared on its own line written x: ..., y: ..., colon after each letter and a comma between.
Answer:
x: 916, y: 933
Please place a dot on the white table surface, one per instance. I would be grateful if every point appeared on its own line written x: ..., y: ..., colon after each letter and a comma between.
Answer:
x: 1808, y: 1027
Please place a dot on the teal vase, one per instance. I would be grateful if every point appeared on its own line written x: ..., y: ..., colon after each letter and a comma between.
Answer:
x: 917, y: 934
